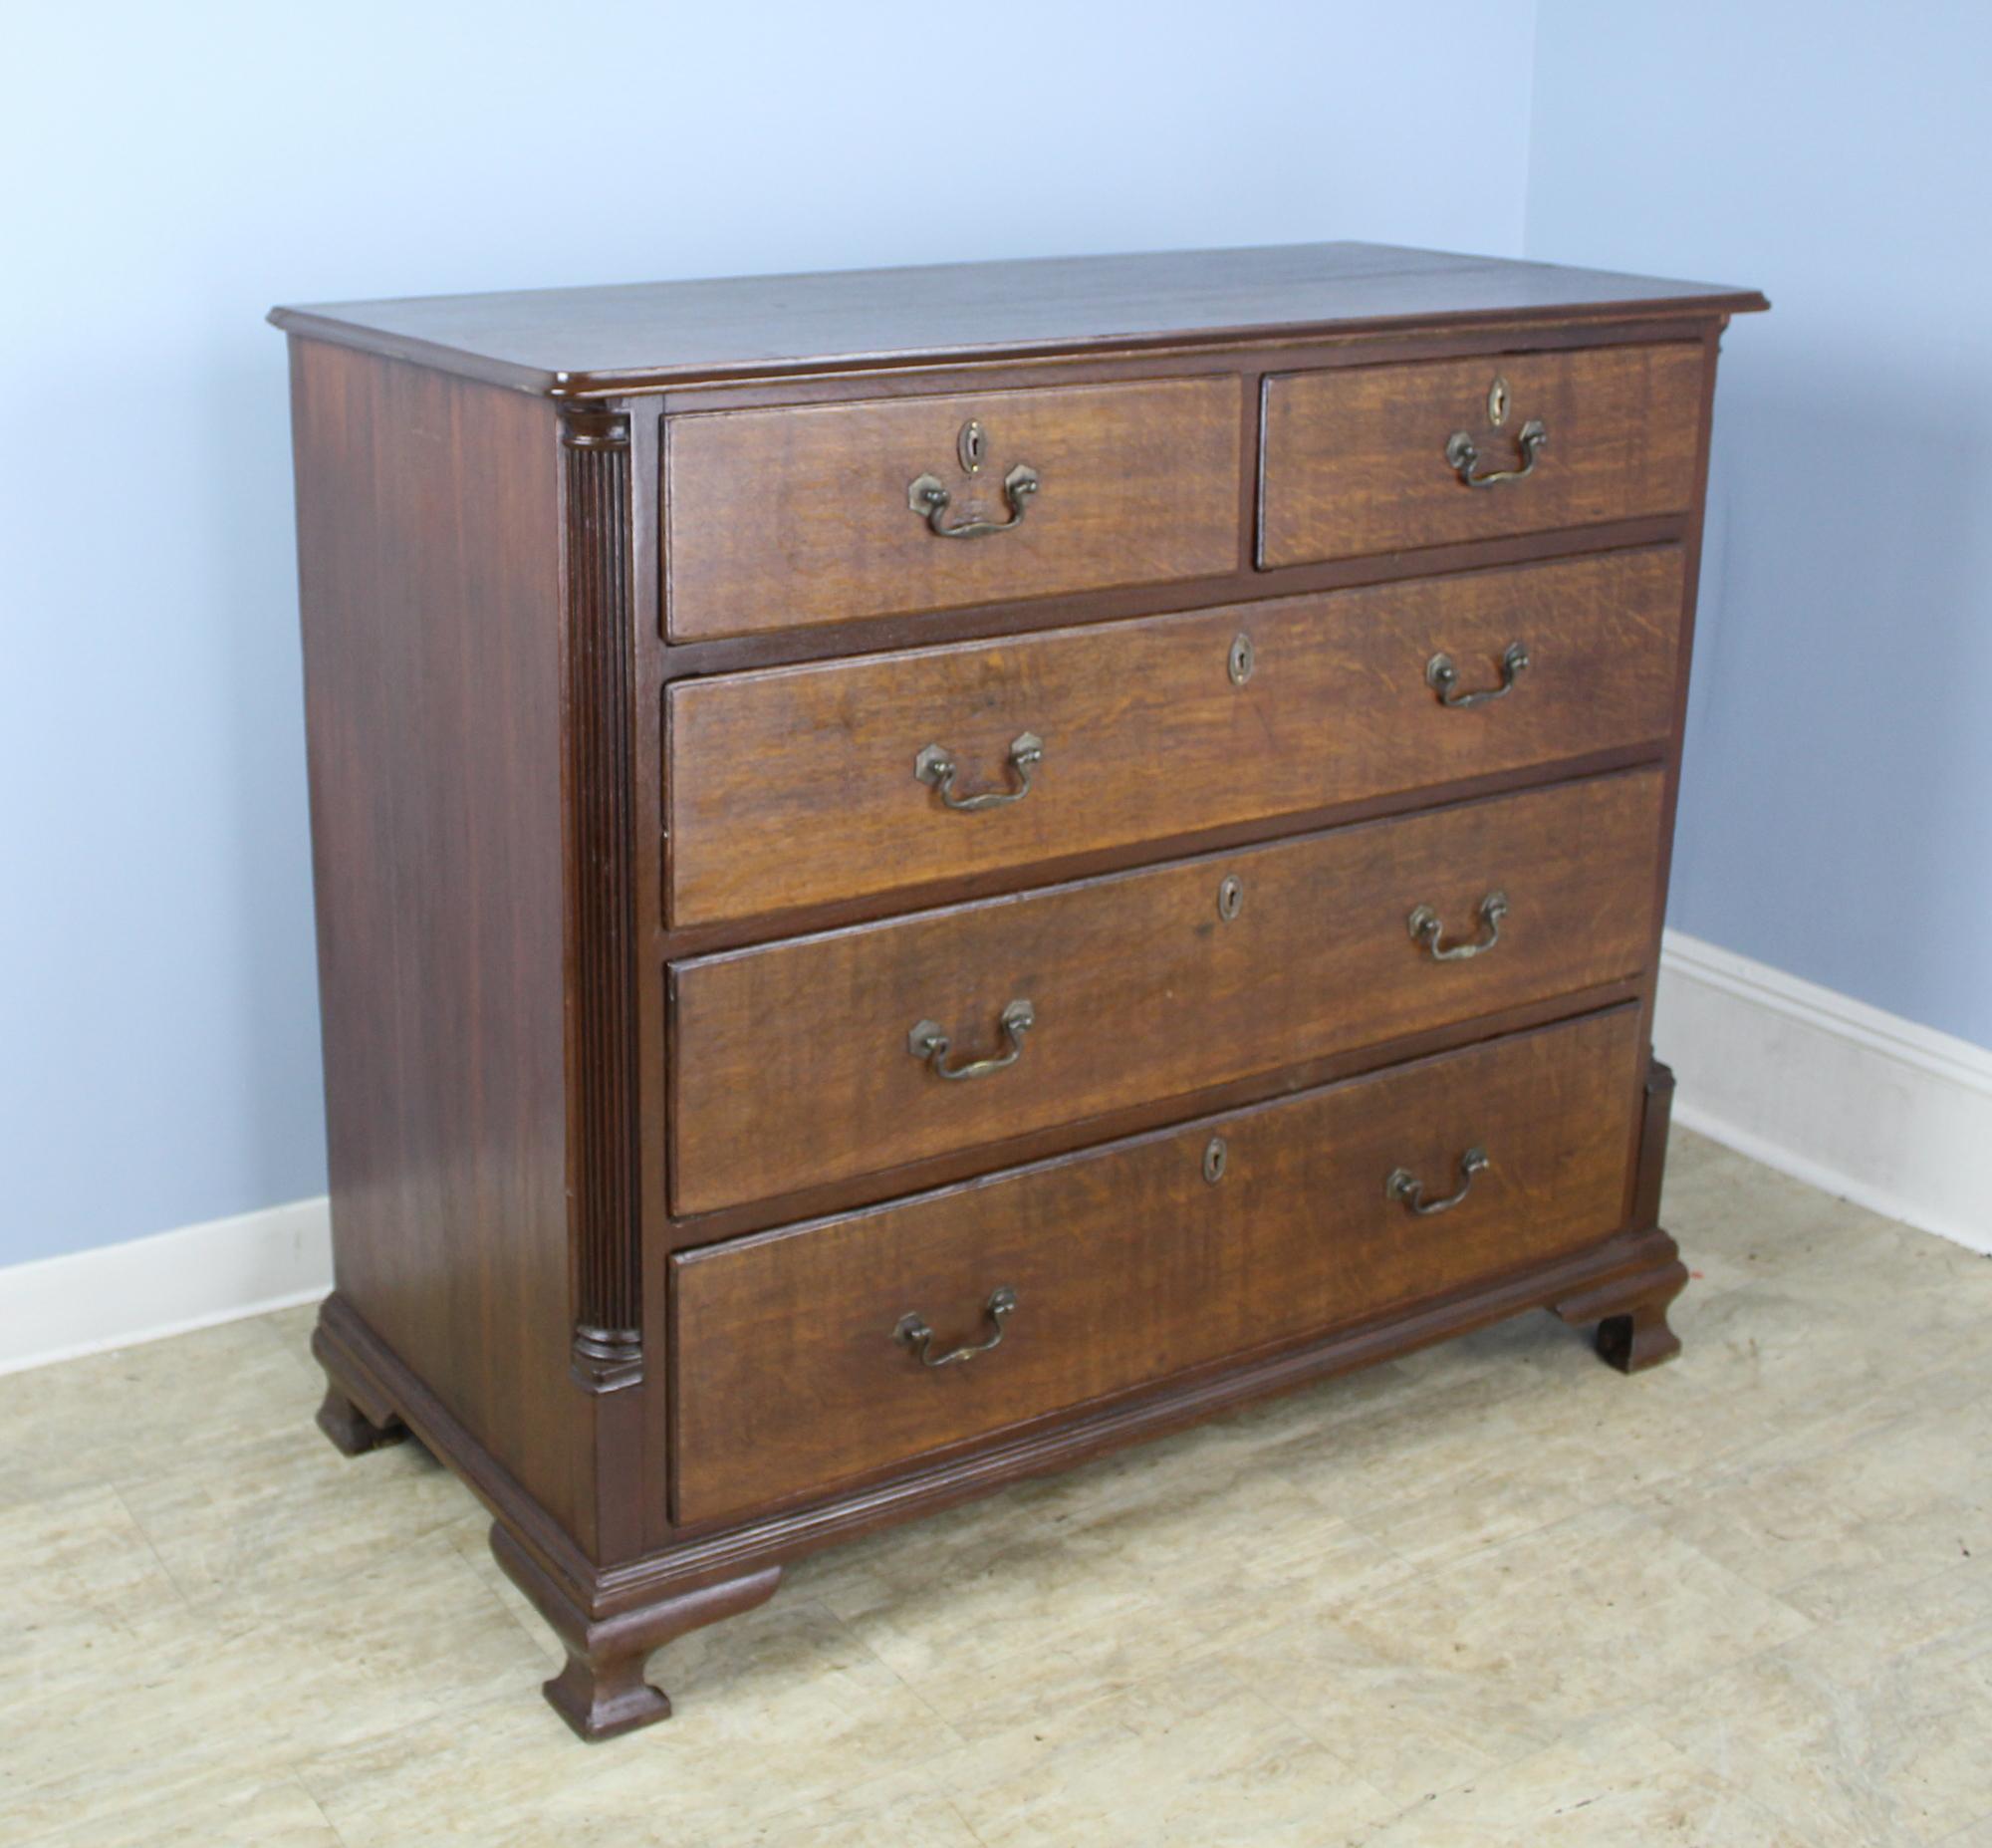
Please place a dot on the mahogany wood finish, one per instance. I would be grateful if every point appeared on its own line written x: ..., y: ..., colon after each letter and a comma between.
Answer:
x: 778, y: 518
x: 805, y: 789
x: 1131, y: 1264
x: 605, y: 1231
x: 593, y: 343
x: 791, y: 1063
x: 428, y: 553
x: 1631, y: 1313
x: 602, y: 1691
x: 351, y: 1432
x: 622, y: 637
x: 1355, y: 460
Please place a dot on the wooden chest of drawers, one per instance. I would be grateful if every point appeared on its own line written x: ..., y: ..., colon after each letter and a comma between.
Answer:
x: 921, y: 873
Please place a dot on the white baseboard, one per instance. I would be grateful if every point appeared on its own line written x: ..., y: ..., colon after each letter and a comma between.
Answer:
x: 118, y: 1295
x: 1868, y: 1106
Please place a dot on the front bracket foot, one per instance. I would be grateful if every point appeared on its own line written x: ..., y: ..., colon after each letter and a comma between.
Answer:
x: 1630, y: 1309
x: 602, y: 1692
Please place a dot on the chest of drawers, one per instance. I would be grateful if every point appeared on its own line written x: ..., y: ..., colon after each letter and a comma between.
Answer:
x: 923, y: 873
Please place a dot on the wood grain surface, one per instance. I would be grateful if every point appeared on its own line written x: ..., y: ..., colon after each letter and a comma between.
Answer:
x: 567, y: 343
x: 790, y: 1062
x: 795, y: 786
x: 777, y: 519
x: 1355, y: 460
x: 428, y: 544
x: 1128, y: 1266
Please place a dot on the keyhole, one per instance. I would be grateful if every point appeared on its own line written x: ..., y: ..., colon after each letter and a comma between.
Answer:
x: 1497, y: 403
x: 1216, y: 1157
x: 1230, y: 897
x: 971, y: 446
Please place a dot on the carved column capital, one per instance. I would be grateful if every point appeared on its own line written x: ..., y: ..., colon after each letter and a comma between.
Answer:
x: 586, y: 427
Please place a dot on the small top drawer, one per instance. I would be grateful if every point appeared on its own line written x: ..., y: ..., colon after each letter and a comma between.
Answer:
x: 824, y: 513
x: 1383, y: 458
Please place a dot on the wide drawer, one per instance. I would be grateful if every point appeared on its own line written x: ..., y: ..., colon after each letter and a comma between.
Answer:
x: 823, y: 513
x: 796, y: 785
x: 816, y: 1060
x: 796, y: 1367
x: 1373, y: 458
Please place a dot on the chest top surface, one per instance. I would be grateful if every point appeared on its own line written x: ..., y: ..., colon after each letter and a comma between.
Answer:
x: 598, y: 342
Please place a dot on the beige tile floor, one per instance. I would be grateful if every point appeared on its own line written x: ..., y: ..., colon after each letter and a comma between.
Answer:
x: 1491, y: 1594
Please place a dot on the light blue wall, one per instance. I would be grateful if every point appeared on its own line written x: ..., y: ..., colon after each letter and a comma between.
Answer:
x: 171, y: 171
x: 1837, y: 806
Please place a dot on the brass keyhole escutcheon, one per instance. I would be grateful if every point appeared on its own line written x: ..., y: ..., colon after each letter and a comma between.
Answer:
x: 971, y: 446
x: 1216, y: 1158
x: 1497, y: 403
x: 1239, y: 663
x: 1230, y: 897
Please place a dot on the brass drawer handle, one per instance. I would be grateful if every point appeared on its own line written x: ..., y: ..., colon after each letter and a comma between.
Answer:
x: 928, y: 497
x: 916, y: 1333
x: 929, y: 1043
x: 1426, y: 931
x: 1531, y: 439
x: 1410, y: 1191
x: 1443, y: 678
x: 935, y: 766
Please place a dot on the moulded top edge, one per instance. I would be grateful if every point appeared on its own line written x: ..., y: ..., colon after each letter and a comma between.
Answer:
x: 604, y: 341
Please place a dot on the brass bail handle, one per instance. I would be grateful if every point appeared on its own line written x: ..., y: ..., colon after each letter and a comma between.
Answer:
x: 913, y: 1331
x: 1409, y: 1191
x: 1531, y: 440
x: 1427, y: 930
x: 1442, y: 676
x: 935, y: 766
x: 929, y: 1043
x: 928, y: 495
x: 1463, y: 454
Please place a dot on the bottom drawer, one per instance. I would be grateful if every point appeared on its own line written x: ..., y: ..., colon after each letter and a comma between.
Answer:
x: 797, y: 1352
